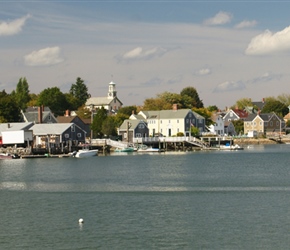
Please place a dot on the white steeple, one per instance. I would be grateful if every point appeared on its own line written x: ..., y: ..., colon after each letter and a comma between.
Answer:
x: 112, y: 90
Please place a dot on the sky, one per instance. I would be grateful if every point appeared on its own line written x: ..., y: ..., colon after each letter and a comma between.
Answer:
x: 226, y: 50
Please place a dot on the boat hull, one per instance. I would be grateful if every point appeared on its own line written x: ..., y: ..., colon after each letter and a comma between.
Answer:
x: 86, y: 153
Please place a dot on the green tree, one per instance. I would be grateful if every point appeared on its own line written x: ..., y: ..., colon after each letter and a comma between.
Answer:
x: 273, y: 105
x: 239, y: 126
x: 284, y: 98
x: 128, y: 110
x: 242, y: 103
x: 194, y: 131
x: 54, y: 99
x: 21, y: 94
x: 97, y: 124
x: 204, y: 113
x: 9, y: 110
x: 192, y: 93
x: 156, y: 104
x: 212, y: 108
x: 109, y: 127
x: 80, y: 92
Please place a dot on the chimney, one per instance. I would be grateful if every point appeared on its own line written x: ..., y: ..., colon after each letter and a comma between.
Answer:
x: 174, y: 106
x: 8, y: 125
x: 67, y: 113
x: 133, y: 112
x: 40, y: 109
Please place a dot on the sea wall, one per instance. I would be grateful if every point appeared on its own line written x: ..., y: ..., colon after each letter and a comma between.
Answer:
x: 257, y: 141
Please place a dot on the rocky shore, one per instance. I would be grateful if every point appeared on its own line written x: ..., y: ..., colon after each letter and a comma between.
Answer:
x: 258, y: 141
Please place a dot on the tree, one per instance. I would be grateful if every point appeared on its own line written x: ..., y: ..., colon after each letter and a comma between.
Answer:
x: 128, y: 110
x: 192, y: 93
x: 212, y: 108
x: 284, y: 98
x: 54, y: 99
x: 204, y: 113
x: 273, y: 105
x: 156, y: 104
x: 9, y: 110
x: 21, y: 94
x: 80, y: 92
x: 109, y: 127
x: 97, y: 124
x: 239, y: 126
x: 242, y: 103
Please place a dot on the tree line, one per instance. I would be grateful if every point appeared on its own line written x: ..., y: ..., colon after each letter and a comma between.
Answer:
x: 106, y: 124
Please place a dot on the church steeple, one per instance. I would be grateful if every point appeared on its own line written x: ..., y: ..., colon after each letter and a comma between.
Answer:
x: 112, y: 90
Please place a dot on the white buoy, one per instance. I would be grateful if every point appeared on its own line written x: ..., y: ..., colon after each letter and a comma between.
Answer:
x: 81, y: 221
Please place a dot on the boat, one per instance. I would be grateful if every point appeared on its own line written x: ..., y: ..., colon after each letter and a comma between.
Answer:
x: 145, y: 148
x: 85, y: 152
x: 125, y: 149
x: 230, y: 147
x: 9, y: 156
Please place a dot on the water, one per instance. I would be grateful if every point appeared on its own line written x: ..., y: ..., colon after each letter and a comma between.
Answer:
x: 197, y: 200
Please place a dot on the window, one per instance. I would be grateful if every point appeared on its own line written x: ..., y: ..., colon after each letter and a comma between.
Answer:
x: 66, y: 135
x: 138, y: 135
x: 79, y: 135
x: 187, y: 120
x: 271, y: 123
x: 49, y: 116
x: 277, y: 123
x: 72, y: 128
x: 141, y: 126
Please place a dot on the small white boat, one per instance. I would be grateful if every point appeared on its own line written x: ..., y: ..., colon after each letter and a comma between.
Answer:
x: 145, y: 148
x: 85, y: 152
x: 231, y: 147
x: 126, y: 149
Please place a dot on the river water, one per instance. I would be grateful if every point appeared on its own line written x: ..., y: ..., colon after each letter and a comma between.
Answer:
x: 196, y: 200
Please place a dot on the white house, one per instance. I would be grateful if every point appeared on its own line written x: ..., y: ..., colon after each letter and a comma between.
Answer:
x: 218, y: 126
x: 171, y: 122
x: 110, y: 102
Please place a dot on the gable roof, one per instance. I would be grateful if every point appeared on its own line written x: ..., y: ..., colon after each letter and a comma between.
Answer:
x: 133, y: 124
x: 99, y: 101
x: 169, y: 114
x: 15, y: 126
x: 264, y: 116
x: 241, y: 113
x: 50, y: 128
x: 31, y: 114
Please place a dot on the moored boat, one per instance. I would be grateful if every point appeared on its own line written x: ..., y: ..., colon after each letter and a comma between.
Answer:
x: 125, y: 149
x: 145, y: 148
x: 9, y: 156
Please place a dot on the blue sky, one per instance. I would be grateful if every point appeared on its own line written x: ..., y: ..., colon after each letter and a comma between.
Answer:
x: 227, y: 50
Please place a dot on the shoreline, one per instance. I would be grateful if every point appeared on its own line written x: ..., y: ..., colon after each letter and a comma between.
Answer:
x: 259, y: 141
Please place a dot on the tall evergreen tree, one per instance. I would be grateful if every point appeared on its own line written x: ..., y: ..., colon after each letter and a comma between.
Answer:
x: 21, y: 94
x: 80, y: 92
x: 97, y: 124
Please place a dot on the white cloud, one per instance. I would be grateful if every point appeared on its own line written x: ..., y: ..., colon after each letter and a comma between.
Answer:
x: 13, y: 27
x: 246, y: 24
x: 141, y: 54
x: 269, y: 43
x: 219, y: 19
x: 266, y: 78
x: 47, y: 56
x: 204, y: 71
x: 229, y: 86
